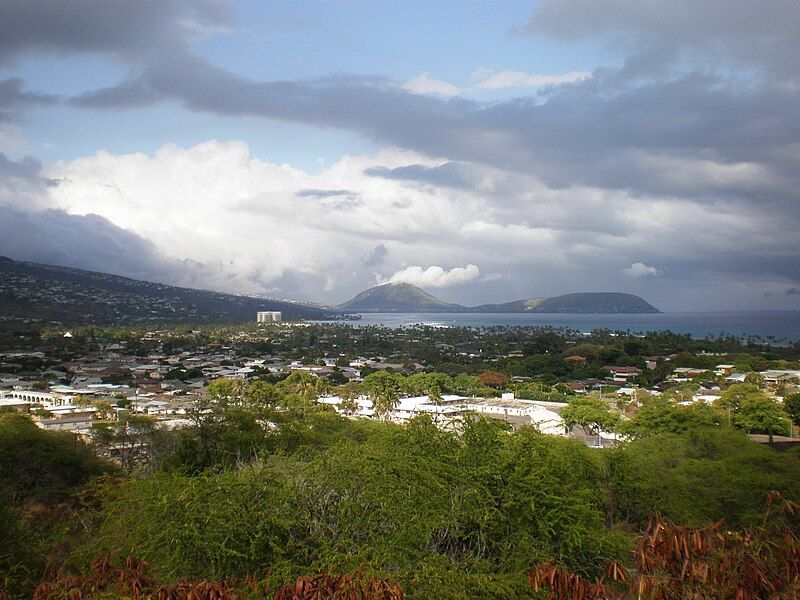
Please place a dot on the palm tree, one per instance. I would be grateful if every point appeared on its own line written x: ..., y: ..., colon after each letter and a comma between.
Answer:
x: 322, y: 386
x: 385, y: 401
x: 305, y: 388
x: 435, y: 396
x: 348, y: 393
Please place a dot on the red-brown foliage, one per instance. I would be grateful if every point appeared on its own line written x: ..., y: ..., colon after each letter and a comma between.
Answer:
x: 492, y: 379
x: 350, y: 586
x: 131, y: 579
x: 675, y: 562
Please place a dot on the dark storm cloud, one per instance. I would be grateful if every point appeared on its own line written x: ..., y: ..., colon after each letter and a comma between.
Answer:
x: 51, y: 236
x: 449, y: 174
x: 130, y: 94
x: 25, y: 170
x: 22, y: 183
x: 376, y: 257
x: 14, y: 99
x: 88, y: 242
x: 693, y: 135
x: 754, y: 33
x: 129, y: 29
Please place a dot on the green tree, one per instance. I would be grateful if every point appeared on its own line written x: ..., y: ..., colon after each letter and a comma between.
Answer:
x: 385, y: 401
x: 760, y: 413
x: 791, y: 404
x: 303, y: 386
x: 348, y: 406
x: 384, y: 390
x: 261, y: 393
x: 466, y: 384
x: 755, y: 379
x: 589, y: 413
x: 562, y: 388
x: 658, y: 416
x: 734, y: 395
x: 349, y: 393
x: 129, y: 440
x: 104, y: 409
x: 227, y: 392
x: 322, y: 387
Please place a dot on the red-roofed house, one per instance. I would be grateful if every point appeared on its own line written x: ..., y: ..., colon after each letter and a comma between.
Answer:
x: 622, y: 374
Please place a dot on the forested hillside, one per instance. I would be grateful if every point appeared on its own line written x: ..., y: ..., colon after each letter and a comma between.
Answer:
x: 50, y: 293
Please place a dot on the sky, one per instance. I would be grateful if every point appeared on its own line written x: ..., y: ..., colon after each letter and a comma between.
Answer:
x: 485, y: 151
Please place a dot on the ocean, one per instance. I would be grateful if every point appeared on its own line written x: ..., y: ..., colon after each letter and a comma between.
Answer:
x: 780, y: 327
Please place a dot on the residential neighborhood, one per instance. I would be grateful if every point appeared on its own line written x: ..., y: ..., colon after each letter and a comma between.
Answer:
x: 74, y: 380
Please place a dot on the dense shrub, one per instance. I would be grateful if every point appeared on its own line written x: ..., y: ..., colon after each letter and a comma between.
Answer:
x: 444, y: 515
x: 42, y: 466
x: 38, y: 472
x: 700, y: 476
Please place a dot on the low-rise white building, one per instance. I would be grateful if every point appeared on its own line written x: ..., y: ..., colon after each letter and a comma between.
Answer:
x: 451, y: 408
x: 47, y: 400
x: 780, y: 376
x: 540, y: 414
x: 363, y: 406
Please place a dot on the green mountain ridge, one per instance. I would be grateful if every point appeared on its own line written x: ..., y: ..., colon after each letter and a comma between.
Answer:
x: 397, y: 297
x: 405, y: 297
x: 68, y: 295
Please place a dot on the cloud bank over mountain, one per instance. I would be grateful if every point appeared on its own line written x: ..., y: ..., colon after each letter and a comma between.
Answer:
x: 434, y: 276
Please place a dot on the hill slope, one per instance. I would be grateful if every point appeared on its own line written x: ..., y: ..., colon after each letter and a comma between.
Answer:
x: 580, y: 303
x: 404, y: 297
x: 397, y: 297
x: 50, y: 293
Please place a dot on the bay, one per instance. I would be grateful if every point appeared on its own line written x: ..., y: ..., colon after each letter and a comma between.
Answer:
x: 775, y: 326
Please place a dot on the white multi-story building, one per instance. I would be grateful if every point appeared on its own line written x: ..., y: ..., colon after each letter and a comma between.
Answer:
x: 269, y: 316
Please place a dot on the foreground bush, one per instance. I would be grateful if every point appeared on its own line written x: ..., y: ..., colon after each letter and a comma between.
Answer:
x: 444, y: 515
x: 39, y: 471
x: 672, y: 561
x: 38, y: 466
x: 132, y: 580
x: 705, y: 474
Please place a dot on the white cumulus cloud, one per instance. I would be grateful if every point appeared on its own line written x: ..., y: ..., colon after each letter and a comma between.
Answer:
x: 507, y: 79
x: 427, y: 85
x: 639, y: 269
x: 489, y: 79
x: 434, y: 276
x: 243, y: 224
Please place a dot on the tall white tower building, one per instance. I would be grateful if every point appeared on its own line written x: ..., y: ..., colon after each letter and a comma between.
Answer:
x: 269, y: 316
